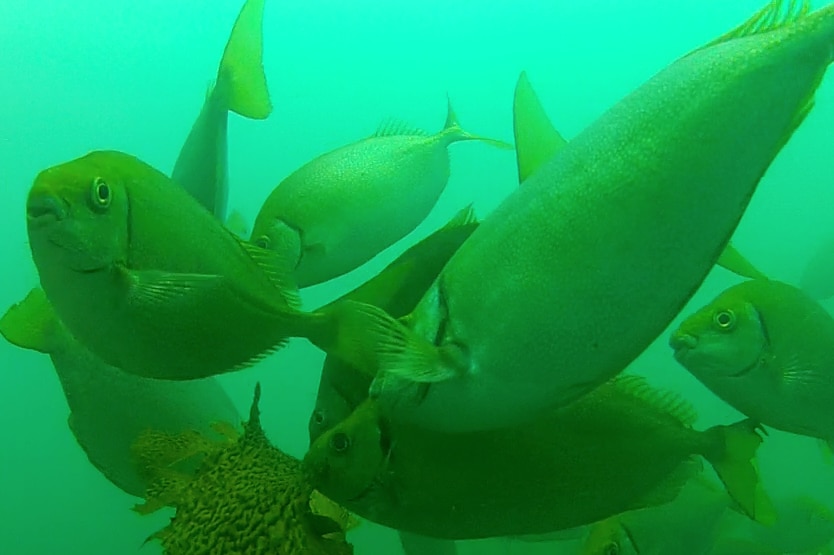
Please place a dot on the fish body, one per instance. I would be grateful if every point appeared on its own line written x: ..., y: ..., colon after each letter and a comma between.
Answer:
x: 622, y: 446
x: 344, y: 207
x: 528, y: 314
x: 109, y: 408
x: 396, y: 289
x: 145, y: 277
x: 765, y: 348
x: 202, y: 164
x: 690, y: 524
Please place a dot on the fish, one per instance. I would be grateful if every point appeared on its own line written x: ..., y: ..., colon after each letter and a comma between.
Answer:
x: 240, y: 86
x: 110, y: 409
x: 343, y: 208
x: 817, y: 278
x: 148, y: 279
x: 765, y: 348
x: 622, y: 446
x: 690, y: 524
x: 397, y: 288
x: 802, y: 525
x: 528, y: 314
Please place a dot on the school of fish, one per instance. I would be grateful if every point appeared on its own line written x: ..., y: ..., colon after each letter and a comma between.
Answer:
x: 483, y: 384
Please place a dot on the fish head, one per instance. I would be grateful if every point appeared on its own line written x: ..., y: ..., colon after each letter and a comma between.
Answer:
x: 723, y: 340
x: 77, y: 214
x: 346, y: 461
x: 331, y: 408
x: 608, y: 537
x: 276, y: 235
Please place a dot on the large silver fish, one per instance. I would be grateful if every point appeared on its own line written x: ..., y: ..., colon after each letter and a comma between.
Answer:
x: 579, y: 270
x: 343, y: 208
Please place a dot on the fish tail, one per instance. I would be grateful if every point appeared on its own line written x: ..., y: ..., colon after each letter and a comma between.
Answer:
x: 453, y: 132
x: 732, y: 454
x: 31, y: 323
x: 369, y: 339
x: 241, y: 75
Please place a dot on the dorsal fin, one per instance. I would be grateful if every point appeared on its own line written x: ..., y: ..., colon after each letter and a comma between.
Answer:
x: 275, y: 269
x: 665, y: 401
x: 536, y: 140
x: 395, y: 128
x: 774, y: 15
x: 464, y: 217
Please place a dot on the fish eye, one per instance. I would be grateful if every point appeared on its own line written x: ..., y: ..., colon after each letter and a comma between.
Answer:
x: 612, y: 548
x: 262, y: 242
x: 340, y: 442
x: 318, y: 417
x: 101, y: 193
x: 724, y: 319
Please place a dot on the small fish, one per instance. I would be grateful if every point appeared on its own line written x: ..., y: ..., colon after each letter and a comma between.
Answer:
x: 202, y: 165
x: 818, y: 276
x: 690, y: 524
x: 765, y: 348
x: 109, y: 408
x: 622, y: 446
x: 528, y: 314
x: 343, y: 208
x: 148, y: 279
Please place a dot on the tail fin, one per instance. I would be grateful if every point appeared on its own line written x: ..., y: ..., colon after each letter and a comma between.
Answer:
x: 734, y: 462
x: 453, y: 132
x: 31, y: 323
x: 731, y: 259
x: 370, y: 340
x: 241, y: 73
x: 536, y: 140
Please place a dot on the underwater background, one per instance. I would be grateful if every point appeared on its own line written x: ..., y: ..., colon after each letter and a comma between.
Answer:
x: 131, y: 76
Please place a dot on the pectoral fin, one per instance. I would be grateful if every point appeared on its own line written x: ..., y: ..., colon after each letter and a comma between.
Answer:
x: 31, y: 323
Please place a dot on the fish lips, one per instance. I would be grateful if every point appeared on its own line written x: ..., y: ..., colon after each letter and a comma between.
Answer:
x: 43, y: 210
x: 682, y: 344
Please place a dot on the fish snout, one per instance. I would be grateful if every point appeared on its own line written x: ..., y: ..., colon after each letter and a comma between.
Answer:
x: 45, y: 208
x: 682, y: 343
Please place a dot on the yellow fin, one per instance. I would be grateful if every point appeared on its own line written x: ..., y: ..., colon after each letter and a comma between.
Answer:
x: 771, y: 17
x: 453, y: 132
x: 465, y: 216
x: 275, y: 266
x: 536, y: 140
x: 732, y: 260
x: 395, y: 128
x: 241, y: 73
x: 665, y: 401
x: 371, y: 341
x: 152, y: 286
x: 735, y: 464
x: 31, y: 323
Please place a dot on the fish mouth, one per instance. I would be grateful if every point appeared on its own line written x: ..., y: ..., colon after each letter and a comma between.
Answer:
x: 45, y: 209
x: 681, y: 344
